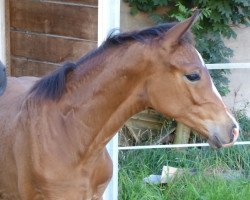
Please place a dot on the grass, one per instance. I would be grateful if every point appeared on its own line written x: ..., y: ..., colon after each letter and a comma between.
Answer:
x: 206, y: 184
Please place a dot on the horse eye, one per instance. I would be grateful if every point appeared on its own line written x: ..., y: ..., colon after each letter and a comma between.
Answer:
x: 193, y: 77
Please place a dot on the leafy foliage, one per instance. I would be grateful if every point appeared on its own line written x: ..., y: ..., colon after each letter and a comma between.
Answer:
x: 218, y: 17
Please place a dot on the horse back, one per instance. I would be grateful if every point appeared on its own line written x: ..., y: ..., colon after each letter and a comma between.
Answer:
x: 16, y: 90
x: 10, y: 108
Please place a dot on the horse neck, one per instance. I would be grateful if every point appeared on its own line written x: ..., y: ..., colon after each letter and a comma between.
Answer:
x: 105, y: 92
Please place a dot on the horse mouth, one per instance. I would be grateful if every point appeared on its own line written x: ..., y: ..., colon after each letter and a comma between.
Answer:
x: 215, y: 142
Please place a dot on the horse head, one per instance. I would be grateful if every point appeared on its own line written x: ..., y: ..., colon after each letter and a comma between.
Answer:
x: 180, y: 87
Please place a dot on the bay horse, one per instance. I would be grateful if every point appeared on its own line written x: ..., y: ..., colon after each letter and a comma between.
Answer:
x: 54, y: 129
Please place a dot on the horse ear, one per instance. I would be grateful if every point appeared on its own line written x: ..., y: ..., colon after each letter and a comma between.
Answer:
x: 175, y: 33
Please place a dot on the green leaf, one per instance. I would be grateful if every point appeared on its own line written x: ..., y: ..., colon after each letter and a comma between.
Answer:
x: 134, y: 11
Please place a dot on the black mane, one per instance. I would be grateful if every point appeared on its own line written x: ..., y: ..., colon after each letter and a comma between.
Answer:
x: 144, y: 35
x: 52, y: 86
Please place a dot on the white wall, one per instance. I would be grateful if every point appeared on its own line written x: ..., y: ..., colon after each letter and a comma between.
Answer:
x: 239, y: 78
x: 240, y: 90
x: 241, y: 45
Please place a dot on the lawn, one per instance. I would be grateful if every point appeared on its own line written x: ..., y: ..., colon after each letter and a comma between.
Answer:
x: 207, y: 183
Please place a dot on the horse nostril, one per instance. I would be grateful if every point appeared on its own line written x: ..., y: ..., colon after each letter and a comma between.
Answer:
x: 231, y: 137
x: 234, y: 126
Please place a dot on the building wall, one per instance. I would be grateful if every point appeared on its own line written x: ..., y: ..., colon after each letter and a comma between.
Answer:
x: 43, y: 34
x: 239, y: 78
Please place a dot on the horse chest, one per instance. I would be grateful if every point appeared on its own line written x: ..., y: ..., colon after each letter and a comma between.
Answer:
x: 87, y: 181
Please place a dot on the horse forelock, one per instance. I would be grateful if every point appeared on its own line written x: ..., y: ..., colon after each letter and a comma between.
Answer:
x: 53, y: 85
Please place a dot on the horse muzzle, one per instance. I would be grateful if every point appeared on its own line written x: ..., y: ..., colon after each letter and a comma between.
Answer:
x: 233, y: 137
x: 217, y: 142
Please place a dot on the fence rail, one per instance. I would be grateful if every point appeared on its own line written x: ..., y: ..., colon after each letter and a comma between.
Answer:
x: 170, y: 146
x: 229, y: 66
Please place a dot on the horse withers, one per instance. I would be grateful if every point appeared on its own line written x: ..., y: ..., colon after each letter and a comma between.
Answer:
x: 54, y: 129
